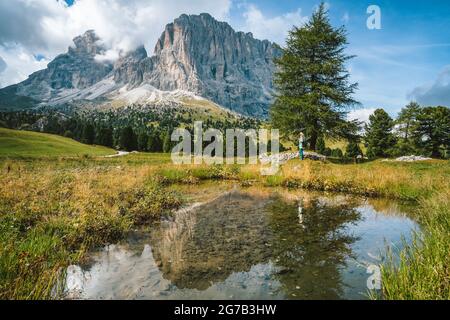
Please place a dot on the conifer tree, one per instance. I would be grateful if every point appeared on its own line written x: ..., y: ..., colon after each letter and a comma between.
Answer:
x: 167, y: 143
x: 105, y: 137
x: 320, y: 147
x: 88, y: 134
x: 407, y: 119
x: 128, y: 140
x: 407, y: 123
x: 313, y: 87
x: 433, y: 131
x: 353, y: 150
x: 379, y: 137
x: 142, y: 141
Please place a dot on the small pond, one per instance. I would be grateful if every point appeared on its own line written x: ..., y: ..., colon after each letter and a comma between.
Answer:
x: 250, y: 244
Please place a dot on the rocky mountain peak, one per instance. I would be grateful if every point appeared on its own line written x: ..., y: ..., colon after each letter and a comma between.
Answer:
x: 75, y: 70
x: 129, y: 68
x: 209, y: 58
x: 195, y: 54
x: 88, y: 43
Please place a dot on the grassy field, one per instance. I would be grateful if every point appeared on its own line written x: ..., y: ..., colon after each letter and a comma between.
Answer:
x: 27, y: 144
x: 424, y: 269
x: 404, y: 181
x: 54, y: 210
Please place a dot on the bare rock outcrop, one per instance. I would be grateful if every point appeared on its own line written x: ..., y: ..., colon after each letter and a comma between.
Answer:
x: 75, y: 70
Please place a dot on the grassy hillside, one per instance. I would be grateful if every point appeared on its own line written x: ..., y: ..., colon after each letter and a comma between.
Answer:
x: 342, y: 144
x: 15, y: 143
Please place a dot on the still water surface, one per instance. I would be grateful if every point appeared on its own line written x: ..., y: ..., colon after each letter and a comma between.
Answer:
x: 250, y: 244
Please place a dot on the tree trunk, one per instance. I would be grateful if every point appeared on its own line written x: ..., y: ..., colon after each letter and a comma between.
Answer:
x: 313, y: 140
x: 406, y: 132
x: 435, y: 153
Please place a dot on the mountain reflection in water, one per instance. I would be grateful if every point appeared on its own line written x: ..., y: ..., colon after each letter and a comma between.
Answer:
x: 247, y: 245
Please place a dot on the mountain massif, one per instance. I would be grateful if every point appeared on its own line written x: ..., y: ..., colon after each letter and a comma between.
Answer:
x: 196, y: 56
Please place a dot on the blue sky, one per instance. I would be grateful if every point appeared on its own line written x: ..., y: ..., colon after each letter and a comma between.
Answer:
x: 398, y: 63
x: 408, y: 59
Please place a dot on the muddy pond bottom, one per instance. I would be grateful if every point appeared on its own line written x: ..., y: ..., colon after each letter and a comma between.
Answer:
x: 251, y: 244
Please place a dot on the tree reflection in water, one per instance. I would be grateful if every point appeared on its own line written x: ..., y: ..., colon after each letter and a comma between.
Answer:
x: 240, y: 230
x: 311, y: 252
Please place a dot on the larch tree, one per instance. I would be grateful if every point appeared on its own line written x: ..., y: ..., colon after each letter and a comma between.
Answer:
x: 313, y: 89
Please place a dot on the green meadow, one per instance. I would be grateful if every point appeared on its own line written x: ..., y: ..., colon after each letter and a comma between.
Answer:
x: 28, y: 144
x: 59, y: 199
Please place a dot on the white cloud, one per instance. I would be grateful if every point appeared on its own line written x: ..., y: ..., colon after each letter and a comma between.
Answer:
x: 19, y: 63
x: 3, y: 65
x: 272, y: 28
x: 47, y: 27
x: 345, y: 18
x: 361, y: 114
x: 437, y: 93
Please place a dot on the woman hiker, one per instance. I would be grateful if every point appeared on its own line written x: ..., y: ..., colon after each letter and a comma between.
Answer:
x: 300, y: 145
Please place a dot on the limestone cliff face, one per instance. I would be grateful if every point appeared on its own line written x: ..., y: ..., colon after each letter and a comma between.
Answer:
x: 199, y: 54
x: 195, y: 53
x: 129, y: 69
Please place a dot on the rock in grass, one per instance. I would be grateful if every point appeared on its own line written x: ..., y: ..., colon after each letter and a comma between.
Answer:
x: 286, y: 156
x: 411, y: 158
